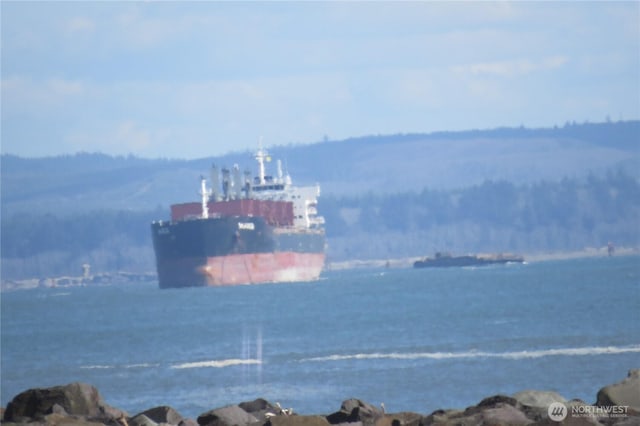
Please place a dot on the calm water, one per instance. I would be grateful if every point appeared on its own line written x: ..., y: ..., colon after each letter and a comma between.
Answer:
x: 416, y: 340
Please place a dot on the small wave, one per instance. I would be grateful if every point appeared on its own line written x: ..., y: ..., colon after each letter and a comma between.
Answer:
x: 107, y: 367
x: 141, y: 365
x: 217, y: 363
x: 598, y: 350
x: 602, y: 350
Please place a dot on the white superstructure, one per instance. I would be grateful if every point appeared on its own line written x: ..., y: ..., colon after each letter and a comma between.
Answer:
x: 267, y: 187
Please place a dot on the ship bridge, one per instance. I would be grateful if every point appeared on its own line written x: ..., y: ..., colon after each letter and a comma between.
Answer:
x: 269, y: 188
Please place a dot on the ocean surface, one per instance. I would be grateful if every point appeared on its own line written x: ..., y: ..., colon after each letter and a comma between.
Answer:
x: 417, y: 340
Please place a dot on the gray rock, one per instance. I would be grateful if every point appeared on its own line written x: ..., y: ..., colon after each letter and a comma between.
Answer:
x: 355, y: 410
x: 497, y: 410
x: 188, y: 422
x: 298, y: 421
x: 75, y: 399
x: 494, y: 400
x: 572, y: 420
x: 441, y: 417
x: 142, y: 420
x: 504, y: 415
x: 163, y: 414
x: 625, y: 393
x: 535, y: 404
x: 491, y: 402
x: 56, y: 419
x: 628, y: 421
x: 57, y: 409
x: 231, y: 415
x: 401, y: 419
x: 259, y: 408
x: 453, y: 418
x: 538, y: 399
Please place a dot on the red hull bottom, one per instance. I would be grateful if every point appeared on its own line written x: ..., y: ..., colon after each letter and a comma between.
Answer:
x: 237, y: 269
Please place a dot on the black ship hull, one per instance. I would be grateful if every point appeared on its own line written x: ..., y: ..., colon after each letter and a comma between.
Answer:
x: 234, y: 250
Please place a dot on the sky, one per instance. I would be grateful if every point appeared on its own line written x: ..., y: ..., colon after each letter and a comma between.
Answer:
x: 198, y: 79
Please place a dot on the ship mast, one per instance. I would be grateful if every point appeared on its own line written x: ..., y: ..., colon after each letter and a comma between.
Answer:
x: 261, y: 156
x: 204, y: 193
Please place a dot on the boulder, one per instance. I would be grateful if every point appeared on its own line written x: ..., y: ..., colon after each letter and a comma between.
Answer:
x: 497, y: 410
x: 452, y: 418
x: 231, y: 415
x: 576, y: 420
x: 628, y: 421
x: 627, y: 393
x: 298, y: 421
x: 141, y: 420
x: 490, y: 402
x: 535, y: 404
x: 401, y: 419
x: 57, y: 409
x: 538, y: 399
x: 56, y: 419
x: 355, y: 410
x: 494, y: 400
x: 259, y: 408
x: 75, y: 399
x: 504, y: 415
x: 441, y: 417
x: 188, y: 422
x: 163, y: 414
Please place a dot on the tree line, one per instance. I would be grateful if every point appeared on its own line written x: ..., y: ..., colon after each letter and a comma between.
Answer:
x: 570, y: 203
x: 570, y: 214
x: 45, y: 245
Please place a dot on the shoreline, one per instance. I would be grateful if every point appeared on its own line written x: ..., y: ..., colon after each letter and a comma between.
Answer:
x: 80, y: 404
x: 528, y: 257
x: 132, y: 278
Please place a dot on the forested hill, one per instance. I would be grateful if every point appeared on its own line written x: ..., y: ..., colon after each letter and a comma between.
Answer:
x: 382, y: 164
x: 521, y: 190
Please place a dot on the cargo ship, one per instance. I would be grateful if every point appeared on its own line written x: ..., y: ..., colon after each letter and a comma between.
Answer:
x: 443, y: 260
x: 242, y: 231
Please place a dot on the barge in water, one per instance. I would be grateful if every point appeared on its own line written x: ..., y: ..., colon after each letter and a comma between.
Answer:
x: 443, y: 260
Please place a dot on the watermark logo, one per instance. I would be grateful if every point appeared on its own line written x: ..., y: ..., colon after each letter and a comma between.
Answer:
x: 557, y: 411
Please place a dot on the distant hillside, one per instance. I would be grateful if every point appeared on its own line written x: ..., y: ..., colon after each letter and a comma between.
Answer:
x: 449, y: 160
x: 380, y: 164
x: 523, y: 190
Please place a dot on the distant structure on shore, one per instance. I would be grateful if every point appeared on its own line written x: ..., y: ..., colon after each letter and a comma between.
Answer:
x: 86, y: 279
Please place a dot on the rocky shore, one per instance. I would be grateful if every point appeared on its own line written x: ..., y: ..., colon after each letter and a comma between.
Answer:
x: 80, y: 404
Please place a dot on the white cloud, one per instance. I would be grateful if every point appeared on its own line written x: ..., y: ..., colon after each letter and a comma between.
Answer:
x: 49, y: 97
x: 60, y: 88
x: 200, y: 78
x: 138, y: 31
x: 79, y: 25
x: 511, y: 68
x: 129, y: 135
x: 125, y: 136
